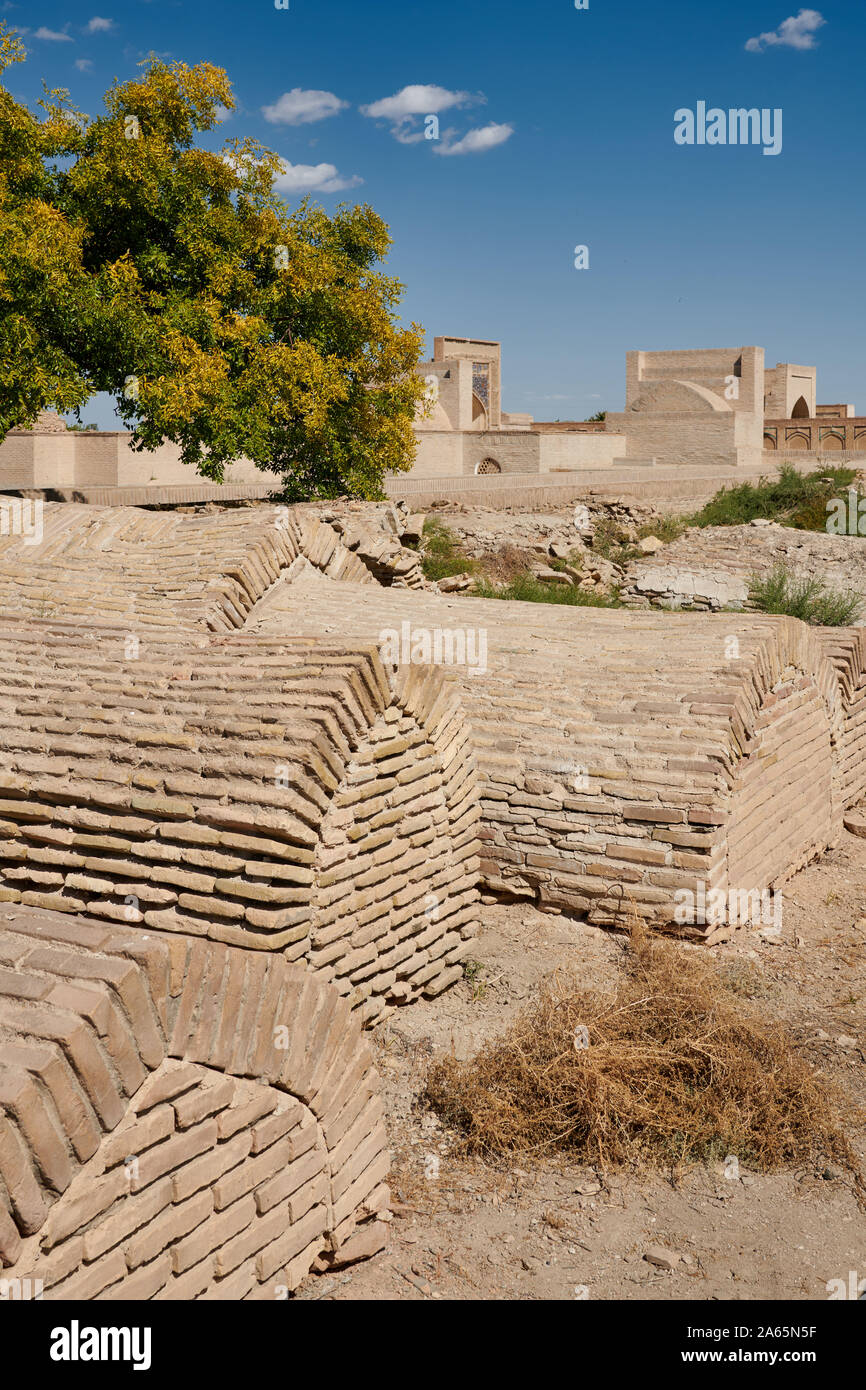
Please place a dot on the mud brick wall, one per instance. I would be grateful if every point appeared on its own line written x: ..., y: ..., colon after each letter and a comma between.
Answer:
x: 624, y: 756
x: 845, y: 648
x: 779, y: 809
x: 232, y: 833
x: 178, y: 1119
x: 278, y: 796
x: 168, y: 571
x: 395, y: 902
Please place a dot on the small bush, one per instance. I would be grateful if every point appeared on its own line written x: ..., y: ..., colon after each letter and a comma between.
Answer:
x: 527, y: 589
x: 674, y: 1067
x: 797, y: 499
x: 507, y: 563
x: 666, y: 528
x: 610, y: 537
x: 609, y: 541
x: 442, y: 555
x: 783, y: 592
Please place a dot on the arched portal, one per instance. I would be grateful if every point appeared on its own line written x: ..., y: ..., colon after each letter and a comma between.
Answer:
x: 479, y: 413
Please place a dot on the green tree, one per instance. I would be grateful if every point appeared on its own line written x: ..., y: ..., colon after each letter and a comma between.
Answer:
x: 41, y: 272
x: 133, y: 261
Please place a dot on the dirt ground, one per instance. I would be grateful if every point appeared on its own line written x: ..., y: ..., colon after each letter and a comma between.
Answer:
x: 516, y: 1230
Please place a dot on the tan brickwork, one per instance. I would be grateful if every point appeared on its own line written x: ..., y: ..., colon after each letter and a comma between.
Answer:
x: 178, y: 1118
x: 236, y: 827
x: 623, y: 756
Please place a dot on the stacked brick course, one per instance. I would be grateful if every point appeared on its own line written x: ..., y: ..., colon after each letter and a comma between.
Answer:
x: 234, y: 830
x: 272, y: 795
x: 180, y: 1119
x: 220, y: 857
x: 624, y: 756
x: 845, y: 649
x: 164, y: 571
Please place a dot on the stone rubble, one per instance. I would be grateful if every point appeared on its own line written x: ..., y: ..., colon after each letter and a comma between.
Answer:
x: 710, y: 568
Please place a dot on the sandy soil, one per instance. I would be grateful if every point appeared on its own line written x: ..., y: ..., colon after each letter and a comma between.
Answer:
x: 468, y: 1230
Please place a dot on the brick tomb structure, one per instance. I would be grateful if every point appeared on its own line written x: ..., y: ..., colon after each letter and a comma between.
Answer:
x: 237, y: 829
x: 221, y: 857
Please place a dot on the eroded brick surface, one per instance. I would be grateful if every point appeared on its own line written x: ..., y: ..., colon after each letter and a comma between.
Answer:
x: 235, y: 829
x: 229, y: 1171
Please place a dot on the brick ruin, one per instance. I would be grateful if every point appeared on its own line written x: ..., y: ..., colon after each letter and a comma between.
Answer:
x: 156, y: 1140
x: 236, y: 831
x: 623, y: 756
x: 220, y: 858
x: 272, y: 799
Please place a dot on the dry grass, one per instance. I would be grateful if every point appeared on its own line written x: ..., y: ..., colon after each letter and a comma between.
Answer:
x: 679, y: 1068
x: 508, y: 563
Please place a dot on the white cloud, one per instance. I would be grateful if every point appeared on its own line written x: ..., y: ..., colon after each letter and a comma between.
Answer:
x: 418, y: 101
x: 99, y: 26
x: 798, y: 31
x: 52, y: 34
x: 313, y: 178
x: 405, y: 106
x: 476, y: 141
x: 298, y: 107
x: 222, y: 113
x: 84, y: 64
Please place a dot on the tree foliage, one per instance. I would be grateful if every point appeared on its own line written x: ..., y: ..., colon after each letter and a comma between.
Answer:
x: 173, y: 277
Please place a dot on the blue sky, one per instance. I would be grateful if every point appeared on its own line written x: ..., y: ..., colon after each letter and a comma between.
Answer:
x: 556, y: 129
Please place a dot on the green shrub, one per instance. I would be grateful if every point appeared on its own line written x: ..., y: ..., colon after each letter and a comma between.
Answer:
x: 795, y: 499
x: 666, y: 528
x: 608, y: 541
x: 526, y: 589
x: 442, y: 555
x: 783, y: 592
x: 609, y: 537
